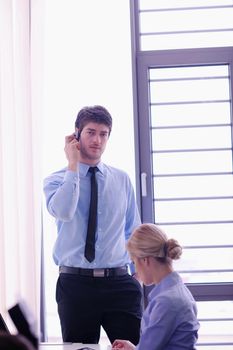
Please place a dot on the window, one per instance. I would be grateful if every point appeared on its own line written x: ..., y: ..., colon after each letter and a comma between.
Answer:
x: 167, y: 24
x: 183, y: 107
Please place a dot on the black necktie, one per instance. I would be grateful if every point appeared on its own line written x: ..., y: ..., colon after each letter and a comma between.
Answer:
x: 90, y: 240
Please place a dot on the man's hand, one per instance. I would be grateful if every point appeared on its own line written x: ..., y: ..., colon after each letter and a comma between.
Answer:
x: 122, y: 345
x: 72, y: 151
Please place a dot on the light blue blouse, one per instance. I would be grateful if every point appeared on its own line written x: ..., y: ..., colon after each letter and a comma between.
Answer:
x: 67, y: 196
x: 170, y: 319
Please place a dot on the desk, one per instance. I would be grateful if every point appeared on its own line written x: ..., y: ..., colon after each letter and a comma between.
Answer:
x: 72, y: 346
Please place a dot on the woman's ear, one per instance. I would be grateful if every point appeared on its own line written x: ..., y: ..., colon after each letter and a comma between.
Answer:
x: 146, y: 260
x: 150, y: 260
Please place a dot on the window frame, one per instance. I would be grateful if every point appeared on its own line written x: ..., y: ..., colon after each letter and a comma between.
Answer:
x: 142, y: 61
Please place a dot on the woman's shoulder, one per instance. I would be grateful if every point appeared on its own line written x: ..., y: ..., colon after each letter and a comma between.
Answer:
x: 174, y: 297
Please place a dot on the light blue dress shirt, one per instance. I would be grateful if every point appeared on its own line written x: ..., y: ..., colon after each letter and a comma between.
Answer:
x: 170, y: 319
x: 67, y: 196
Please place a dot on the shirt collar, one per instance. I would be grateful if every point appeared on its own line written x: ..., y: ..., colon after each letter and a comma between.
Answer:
x: 173, y: 278
x: 83, y: 168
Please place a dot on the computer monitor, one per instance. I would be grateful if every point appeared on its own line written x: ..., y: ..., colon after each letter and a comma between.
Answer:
x: 22, y: 323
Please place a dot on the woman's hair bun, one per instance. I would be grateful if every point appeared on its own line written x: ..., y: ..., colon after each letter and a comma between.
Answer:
x: 173, y: 249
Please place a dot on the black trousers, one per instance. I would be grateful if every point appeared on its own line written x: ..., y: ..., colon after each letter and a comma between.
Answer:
x: 87, y: 303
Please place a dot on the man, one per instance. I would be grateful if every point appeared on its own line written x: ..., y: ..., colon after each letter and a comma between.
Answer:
x: 94, y: 287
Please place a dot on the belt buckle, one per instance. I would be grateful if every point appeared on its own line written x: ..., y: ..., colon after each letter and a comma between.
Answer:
x: 98, y: 273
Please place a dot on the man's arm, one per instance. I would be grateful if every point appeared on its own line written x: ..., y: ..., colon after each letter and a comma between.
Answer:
x: 133, y: 219
x: 62, y: 188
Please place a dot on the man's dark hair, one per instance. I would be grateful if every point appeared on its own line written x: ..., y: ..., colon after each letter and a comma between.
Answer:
x: 95, y: 114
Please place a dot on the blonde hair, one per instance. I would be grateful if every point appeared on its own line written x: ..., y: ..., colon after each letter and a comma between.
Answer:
x: 149, y: 240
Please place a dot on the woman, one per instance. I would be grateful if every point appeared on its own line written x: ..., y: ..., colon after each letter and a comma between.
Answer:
x: 170, y: 320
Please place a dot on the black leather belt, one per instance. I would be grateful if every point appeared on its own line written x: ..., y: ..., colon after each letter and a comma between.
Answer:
x: 108, y: 272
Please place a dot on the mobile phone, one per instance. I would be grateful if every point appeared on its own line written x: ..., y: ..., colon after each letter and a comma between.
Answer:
x: 77, y: 135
